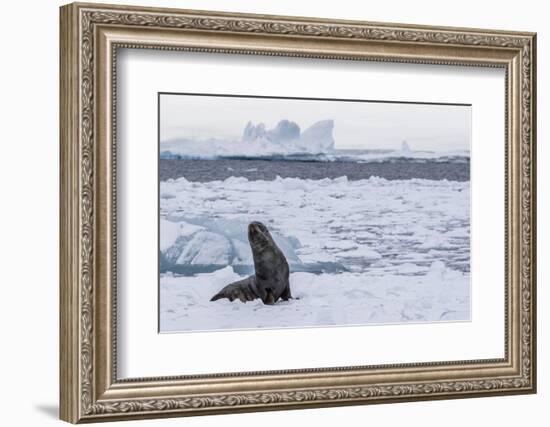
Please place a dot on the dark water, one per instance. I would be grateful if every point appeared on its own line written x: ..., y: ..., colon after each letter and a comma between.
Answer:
x: 213, y: 170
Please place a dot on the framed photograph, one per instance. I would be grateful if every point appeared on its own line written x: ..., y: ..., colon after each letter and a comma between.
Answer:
x: 266, y: 212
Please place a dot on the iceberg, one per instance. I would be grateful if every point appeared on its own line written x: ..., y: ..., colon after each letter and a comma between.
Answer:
x: 285, y: 139
x: 284, y: 131
x: 188, y: 244
x: 252, y: 132
x: 318, y: 139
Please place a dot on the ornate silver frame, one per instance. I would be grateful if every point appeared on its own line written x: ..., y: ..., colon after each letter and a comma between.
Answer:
x: 90, y: 36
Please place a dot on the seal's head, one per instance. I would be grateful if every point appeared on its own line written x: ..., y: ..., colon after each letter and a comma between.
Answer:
x: 259, y: 236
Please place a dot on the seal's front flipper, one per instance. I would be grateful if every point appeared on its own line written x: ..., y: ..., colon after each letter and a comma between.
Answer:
x: 285, y: 296
x: 242, y: 290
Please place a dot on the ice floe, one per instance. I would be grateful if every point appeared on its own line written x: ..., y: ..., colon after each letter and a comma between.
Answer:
x: 361, y: 252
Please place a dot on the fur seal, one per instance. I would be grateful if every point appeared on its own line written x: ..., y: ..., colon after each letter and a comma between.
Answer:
x: 270, y: 282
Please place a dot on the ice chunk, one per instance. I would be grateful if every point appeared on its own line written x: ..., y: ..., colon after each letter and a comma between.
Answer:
x: 363, y: 252
x: 171, y: 231
x: 461, y: 232
x: 340, y: 244
x: 206, y: 248
x: 410, y: 268
x: 435, y: 242
x: 213, y: 242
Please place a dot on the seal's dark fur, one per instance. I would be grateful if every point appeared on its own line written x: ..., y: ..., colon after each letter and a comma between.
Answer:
x: 271, y: 280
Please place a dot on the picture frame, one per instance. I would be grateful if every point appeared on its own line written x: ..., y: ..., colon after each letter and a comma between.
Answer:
x: 92, y: 36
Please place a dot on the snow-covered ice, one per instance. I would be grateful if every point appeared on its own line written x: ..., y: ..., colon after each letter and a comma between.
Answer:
x: 437, y: 294
x: 361, y: 252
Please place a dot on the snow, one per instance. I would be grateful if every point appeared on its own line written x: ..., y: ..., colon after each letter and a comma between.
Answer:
x: 361, y: 252
x: 439, y: 294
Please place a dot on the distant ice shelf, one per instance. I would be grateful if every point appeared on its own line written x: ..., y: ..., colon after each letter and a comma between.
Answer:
x: 287, y: 141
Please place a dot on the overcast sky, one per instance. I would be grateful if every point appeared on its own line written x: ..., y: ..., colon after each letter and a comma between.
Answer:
x: 357, y: 125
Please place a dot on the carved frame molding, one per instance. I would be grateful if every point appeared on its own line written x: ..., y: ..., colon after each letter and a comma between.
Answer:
x: 90, y: 390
